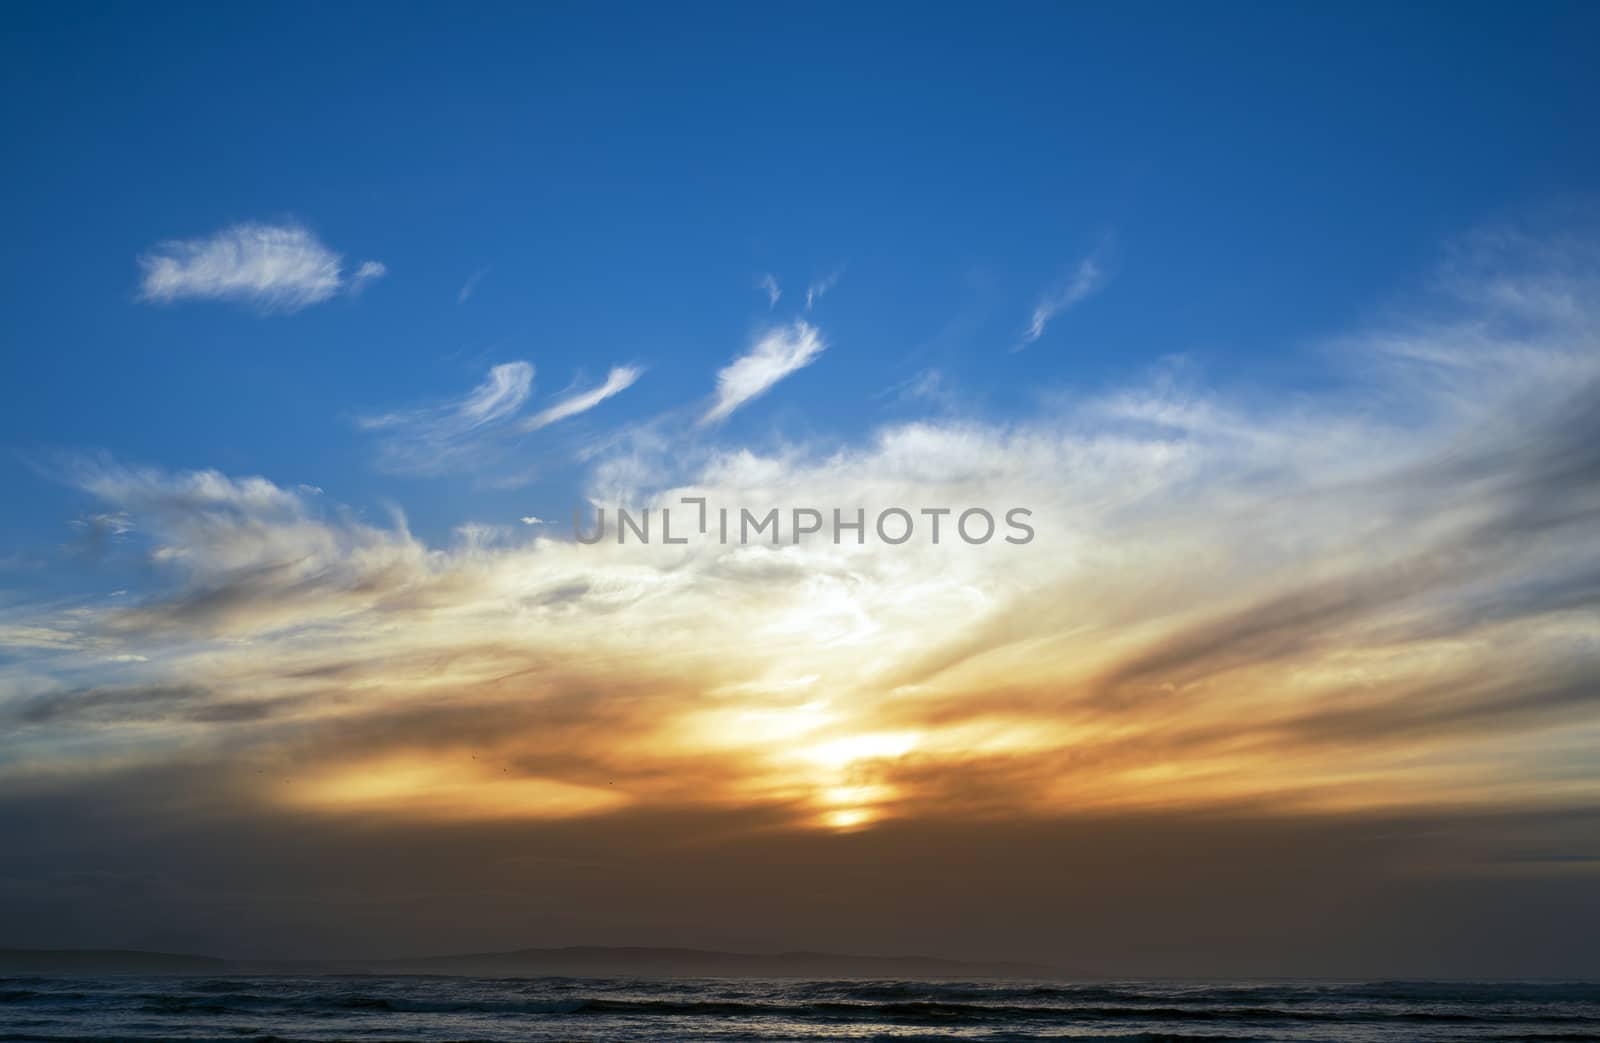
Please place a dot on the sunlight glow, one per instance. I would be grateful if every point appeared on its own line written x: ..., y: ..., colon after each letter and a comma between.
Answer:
x: 446, y: 787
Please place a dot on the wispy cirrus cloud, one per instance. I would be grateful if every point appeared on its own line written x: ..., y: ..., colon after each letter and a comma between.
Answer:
x: 280, y: 268
x: 502, y: 394
x: 769, y: 283
x: 429, y: 439
x: 1086, y: 280
x: 368, y: 271
x: 926, y: 387
x: 470, y: 287
x: 778, y: 353
x: 816, y: 290
x: 618, y: 380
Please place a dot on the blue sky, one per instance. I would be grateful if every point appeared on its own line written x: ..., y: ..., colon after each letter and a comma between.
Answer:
x: 613, y: 184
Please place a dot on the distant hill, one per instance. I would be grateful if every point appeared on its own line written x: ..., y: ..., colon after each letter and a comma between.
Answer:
x: 573, y: 961
x: 71, y: 962
x: 597, y: 961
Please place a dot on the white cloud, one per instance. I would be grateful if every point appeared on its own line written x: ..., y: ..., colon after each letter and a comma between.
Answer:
x: 1088, y: 280
x: 769, y: 283
x: 777, y: 354
x: 815, y: 291
x: 619, y: 379
x: 369, y: 271
x: 278, y: 267
x: 532, y: 519
x: 926, y: 385
x: 431, y: 439
x: 506, y: 388
x: 104, y: 525
x: 470, y: 287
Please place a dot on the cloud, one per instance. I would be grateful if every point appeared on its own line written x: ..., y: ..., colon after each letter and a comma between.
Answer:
x: 927, y: 386
x: 1324, y: 606
x: 619, y: 379
x: 816, y: 290
x: 1356, y: 626
x: 101, y: 527
x: 433, y: 439
x: 1087, y: 280
x: 470, y: 287
x: 498, y: 397
x: 778, y: 353
x: 369, y: 271
x: 276, y: 267
x: 770, y: 283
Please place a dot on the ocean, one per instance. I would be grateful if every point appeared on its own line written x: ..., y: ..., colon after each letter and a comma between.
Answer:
x: 373, y: 1009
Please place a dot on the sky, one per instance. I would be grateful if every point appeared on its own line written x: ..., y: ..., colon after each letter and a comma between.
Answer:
x: 1280, y: 323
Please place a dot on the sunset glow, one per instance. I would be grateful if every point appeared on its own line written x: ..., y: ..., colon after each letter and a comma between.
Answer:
x: 1114, y: 488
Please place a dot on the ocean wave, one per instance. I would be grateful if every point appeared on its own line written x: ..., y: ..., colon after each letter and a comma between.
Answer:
x: 551, y: 1010
x: 1128, y: 1037
x: 1219, y: 994
x: 937, y: 1010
